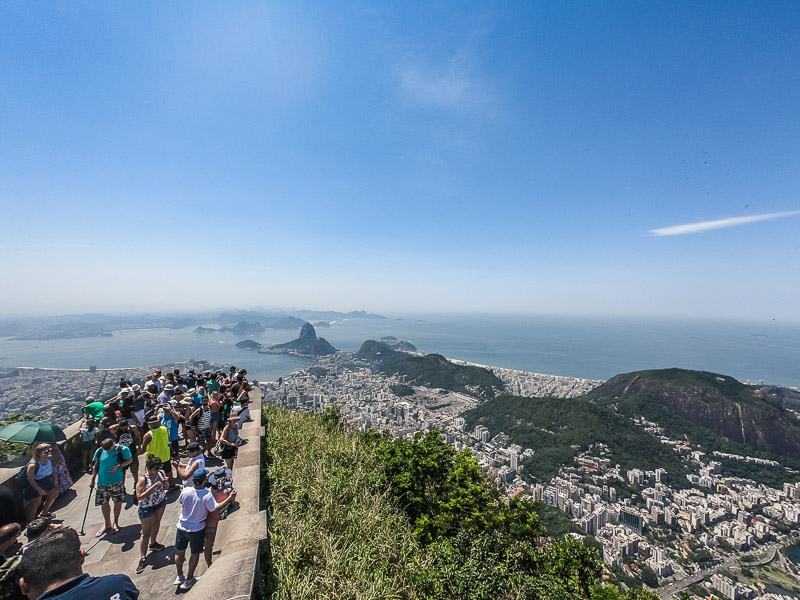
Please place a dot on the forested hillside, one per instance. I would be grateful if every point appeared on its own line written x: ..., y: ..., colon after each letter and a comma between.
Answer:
x: 557, y: 428
x: 362, y: 516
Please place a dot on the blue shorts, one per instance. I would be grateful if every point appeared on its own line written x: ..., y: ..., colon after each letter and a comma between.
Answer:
x: 149, y: 511
x: 194, y: 539
x: 46, y: 483
x: 214, y: 416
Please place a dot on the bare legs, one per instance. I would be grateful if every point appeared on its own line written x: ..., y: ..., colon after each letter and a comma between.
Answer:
x: 106, y: 509
x: 150, y: 531
x: 211, y: 535
x: 40, y: 506
x: 180, y: 558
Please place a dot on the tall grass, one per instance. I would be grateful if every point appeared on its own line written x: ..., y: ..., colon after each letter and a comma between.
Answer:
x: 333, y: 531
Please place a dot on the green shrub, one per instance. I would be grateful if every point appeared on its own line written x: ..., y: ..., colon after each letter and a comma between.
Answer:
x: 367, y: 517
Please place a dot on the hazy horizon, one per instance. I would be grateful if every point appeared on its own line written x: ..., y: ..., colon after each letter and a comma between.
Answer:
x: 390, y: 314
x: 539, y: 158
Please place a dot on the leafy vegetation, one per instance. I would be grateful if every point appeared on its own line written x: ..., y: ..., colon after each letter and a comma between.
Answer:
x: 10, y: 450
x: 557, y: 523
x: 368, y: 517
x: 332, y: 532
x: 552, y: 426
x: 318, y: 371
x: 402, y: 390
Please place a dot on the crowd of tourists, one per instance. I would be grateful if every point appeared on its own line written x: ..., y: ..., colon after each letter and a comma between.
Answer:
x: 165, y: 432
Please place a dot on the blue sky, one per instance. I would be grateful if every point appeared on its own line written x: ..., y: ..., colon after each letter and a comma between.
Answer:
x: 398, y: 157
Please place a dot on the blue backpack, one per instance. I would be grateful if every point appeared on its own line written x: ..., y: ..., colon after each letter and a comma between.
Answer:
x: 22, y: 476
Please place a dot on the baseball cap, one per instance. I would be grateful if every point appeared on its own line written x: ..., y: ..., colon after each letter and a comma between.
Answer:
x: 200, y: 476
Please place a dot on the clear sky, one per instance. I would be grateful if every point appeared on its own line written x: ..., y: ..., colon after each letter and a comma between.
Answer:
x: 583, y: 158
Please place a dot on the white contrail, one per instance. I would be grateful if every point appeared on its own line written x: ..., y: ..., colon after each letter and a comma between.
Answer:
x: 706, y: 225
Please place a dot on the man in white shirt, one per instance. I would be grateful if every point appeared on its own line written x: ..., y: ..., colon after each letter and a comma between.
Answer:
x: 196, y: 503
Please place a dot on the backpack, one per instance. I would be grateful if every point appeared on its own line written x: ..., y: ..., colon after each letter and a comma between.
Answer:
x: 22, y: 476
x: 120, y: 458
x: 126, y: 439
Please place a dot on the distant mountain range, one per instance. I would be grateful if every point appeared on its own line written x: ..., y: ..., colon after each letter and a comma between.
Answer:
x: 96, y: 324
x: 332, y: 315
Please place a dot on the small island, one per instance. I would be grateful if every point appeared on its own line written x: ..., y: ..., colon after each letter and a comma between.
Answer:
x: 248, y: 345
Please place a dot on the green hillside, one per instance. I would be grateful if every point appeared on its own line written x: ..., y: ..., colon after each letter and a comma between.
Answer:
x: 552, y: 426
x: 431, y: 370
x: 712, y: 412
x: 366, y: 517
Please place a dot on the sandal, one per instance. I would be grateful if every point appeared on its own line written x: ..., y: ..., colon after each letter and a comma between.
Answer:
x: 101, y: 532
x: 140, y: 567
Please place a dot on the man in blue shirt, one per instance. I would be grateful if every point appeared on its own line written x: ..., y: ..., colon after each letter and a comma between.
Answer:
x: 109, y: 462
x: 51, y: 569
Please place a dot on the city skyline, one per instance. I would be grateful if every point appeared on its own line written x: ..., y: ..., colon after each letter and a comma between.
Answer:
x: 625, y: 159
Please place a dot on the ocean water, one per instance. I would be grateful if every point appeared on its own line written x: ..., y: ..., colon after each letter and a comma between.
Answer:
x: 593, y: 348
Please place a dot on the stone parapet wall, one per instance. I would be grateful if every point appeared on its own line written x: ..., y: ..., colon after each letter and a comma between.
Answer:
x: 234, y: 573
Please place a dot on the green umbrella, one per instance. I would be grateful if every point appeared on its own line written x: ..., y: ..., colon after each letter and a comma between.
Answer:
x: 32, y: 431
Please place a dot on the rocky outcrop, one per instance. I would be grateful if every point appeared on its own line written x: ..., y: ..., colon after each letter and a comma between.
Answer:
x: 307, y: 343
x: 307, y: 332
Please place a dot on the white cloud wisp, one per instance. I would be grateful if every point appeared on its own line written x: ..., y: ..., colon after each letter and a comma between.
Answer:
x: 719, y: 224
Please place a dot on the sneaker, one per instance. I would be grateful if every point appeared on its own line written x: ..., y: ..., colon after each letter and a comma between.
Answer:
x: 157, y: 547
x: 179, y: 580
x: 187, y: 585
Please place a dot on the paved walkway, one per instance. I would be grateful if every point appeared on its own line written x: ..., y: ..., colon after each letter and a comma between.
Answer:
x: 119, y: 553
x: 236, y: 545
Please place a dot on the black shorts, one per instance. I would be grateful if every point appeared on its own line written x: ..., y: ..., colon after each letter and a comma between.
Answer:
x: 194, y: 539
x: 228, y: 451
